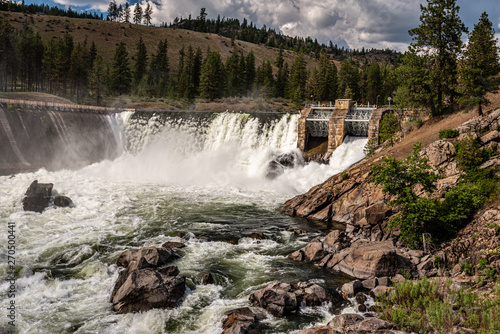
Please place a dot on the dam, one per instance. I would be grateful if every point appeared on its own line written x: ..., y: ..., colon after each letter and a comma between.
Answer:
x: 322, y: 128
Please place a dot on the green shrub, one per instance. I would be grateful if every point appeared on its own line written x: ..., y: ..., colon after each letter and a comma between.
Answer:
x: 389, y: 126
x: 491, y: 273
x: 467, y: 268
x: 448, y: 133
x: 498, y: 127
x: 370, y: 147
x: 482, y: 264
x: 468, y: 153
x: 344, y: 176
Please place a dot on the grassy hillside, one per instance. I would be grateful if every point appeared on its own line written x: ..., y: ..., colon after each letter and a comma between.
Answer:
x: 108, y: 34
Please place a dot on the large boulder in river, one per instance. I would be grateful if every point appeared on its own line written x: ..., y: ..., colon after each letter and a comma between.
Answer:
x: 37, y: 197
x: 277, y: 166
x: 239, y: 321
x: 145, y: 289
x: 146, y: 257
x: 362, y: 261
x: 141, y: 286
x: 282, y: 298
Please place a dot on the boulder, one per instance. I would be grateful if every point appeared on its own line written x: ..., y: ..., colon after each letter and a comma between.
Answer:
x: 146, y: 257
x: 282, y: 298
x: 257, y: 235
x: 277, y: 166
x: 37, y: 196
x: 239, y: 321
x: 173, y: 244
x: 207, y: 278
x: 63, y: 201
x: 364, y: 261
x: 345, y: 320
x: 335, y: 241
x: 320, y: 330
x: 145, y: 289
x: 314, y: 251
x: 350, y: 289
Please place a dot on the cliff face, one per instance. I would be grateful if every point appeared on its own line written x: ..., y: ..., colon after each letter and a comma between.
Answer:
x: 33, y: 138
x: 353, y: 201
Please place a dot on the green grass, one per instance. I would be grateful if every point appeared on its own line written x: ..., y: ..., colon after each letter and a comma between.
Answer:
x: 418, y: 306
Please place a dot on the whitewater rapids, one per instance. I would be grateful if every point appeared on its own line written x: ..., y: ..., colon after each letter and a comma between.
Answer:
x: 176, y: 180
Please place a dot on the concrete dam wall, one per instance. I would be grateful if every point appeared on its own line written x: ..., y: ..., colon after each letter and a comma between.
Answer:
x: 36, y: 135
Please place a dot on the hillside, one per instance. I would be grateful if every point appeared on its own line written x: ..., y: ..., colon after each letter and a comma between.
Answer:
x: 107, y: 35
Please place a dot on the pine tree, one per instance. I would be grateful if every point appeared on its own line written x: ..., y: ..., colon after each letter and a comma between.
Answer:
x: 438, y: 41
x: 159, y: 71
x: 250, y: 71
x: 113, y: 11
x: 212, y: 77
x: 137, y: 14
x: 147, y: 14
x: 120, y: 77
x: 298, y: 79
x: 281, y: 76
x: 141, y: 62
x: 479, y: 64
x: 233, y: 74
x: 373, y: 83
x: 348, y: 80
x: 126, y: 12
x: 78, y: 74
x: 97, y: 87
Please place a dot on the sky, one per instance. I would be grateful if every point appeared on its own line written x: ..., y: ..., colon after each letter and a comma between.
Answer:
x: 351, y: 23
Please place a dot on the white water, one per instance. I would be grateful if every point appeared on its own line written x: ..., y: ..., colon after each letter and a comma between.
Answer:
x: 172, y: 177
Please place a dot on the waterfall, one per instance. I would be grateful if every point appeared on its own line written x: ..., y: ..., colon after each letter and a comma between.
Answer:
x: 225, y: 150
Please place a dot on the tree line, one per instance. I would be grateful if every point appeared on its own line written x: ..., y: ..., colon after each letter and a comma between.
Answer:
x: 12, y: 6
x: 249, y: 32
x: 76, y: 70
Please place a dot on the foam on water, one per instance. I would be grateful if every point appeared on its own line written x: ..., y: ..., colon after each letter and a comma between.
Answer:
x: 178, y: 178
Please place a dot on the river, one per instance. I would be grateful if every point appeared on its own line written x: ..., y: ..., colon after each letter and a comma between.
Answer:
x: 201, y: 182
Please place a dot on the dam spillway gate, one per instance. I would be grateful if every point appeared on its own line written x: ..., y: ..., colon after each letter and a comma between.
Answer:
x: 323, y: 128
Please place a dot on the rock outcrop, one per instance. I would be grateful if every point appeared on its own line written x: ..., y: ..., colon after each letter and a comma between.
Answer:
x: 239, y: 321
x: 282, y: 298
x: 144, y: 284
x: 277, y: 166
x: 38, y: 197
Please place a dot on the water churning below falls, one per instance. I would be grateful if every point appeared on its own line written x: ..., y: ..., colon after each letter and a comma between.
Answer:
x: 199, y: 181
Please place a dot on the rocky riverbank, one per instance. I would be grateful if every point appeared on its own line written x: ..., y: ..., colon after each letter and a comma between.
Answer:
x: 369, y: 250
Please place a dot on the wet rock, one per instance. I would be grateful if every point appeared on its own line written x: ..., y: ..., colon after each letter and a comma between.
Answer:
x: 360, y: 298
x: 145, y: 289
x: 239, y: 321
x: 257, y: 235
x: 173, y: 244
x: 207, y: 278
x: 277, y: 166
x: 283, y: 298
x: 37, y: 196
x: 314, y: 251
x: 146, y: 257
x: 320, y: 330
x: 63, y: 201
x: 297, y: 255
x: 350, y: 289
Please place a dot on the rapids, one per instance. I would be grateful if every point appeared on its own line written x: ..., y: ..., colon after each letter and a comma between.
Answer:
x: 196, y: 180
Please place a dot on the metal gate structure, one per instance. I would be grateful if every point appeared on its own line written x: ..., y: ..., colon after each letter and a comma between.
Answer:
x: 357, y: 120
